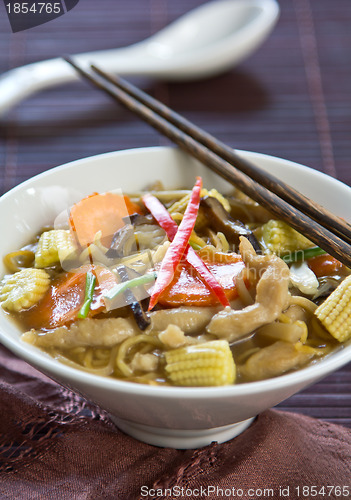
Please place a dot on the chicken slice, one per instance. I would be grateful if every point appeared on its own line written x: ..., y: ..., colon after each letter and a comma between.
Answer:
x: 272, y: 297
x: 83, y: 333
x: 189, y: 319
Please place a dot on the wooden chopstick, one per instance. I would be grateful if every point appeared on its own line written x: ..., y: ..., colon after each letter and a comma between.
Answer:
x: 309, y: 207
x: 137, y: 101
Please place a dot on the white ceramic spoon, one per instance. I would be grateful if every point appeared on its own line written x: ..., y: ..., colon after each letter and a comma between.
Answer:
x: 205, y: 41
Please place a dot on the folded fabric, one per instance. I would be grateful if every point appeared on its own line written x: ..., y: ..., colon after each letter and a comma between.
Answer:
x: 56, y: 445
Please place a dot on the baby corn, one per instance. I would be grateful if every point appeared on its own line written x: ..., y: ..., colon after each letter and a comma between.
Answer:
x: 209, y: 364
x: 24, y: 289
x: 335, y: 312
x: 280, y: 238
x: 53, y: 247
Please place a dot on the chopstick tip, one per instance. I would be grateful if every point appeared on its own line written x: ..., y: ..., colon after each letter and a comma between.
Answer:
x: 69, y: 59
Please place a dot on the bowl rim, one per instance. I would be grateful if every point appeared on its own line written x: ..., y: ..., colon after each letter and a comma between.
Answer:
x: 53, y: 368
x: 149, y: 149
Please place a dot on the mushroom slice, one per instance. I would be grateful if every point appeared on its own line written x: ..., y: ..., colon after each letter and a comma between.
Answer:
x: 220, y: 220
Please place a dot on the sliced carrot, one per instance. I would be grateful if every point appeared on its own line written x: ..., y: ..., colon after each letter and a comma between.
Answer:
x: 64, y: 299
x: 133, y: 208
x: 188, y: 288
x: 324, y: 265
x: 100, y: 212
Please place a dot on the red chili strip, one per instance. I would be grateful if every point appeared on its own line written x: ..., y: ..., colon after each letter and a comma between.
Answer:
x: 164, y: 219
x: 178, y: 245
x: 161, y: 215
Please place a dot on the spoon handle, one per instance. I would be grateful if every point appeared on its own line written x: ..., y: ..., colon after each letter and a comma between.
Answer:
x: 19, y: 83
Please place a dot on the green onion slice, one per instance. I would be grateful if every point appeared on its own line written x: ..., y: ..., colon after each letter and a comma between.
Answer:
x: 302, y: 255
x: 90, y: 281
x: 121, y: 287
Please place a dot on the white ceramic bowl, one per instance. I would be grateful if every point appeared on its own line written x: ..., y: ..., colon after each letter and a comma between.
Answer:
x: 163, y: 416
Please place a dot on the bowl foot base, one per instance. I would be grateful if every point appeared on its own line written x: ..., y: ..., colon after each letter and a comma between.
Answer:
x: 181, y: 439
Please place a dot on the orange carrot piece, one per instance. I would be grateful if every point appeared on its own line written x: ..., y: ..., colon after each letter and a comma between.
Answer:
x: 188, y: 288
x: 324, y: 265
x: 100, y: 212
x: 132, y: 208
x: 64, y: 299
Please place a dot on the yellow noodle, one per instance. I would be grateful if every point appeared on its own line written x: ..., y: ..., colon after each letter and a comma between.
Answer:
x: 94, y: 254
x: 284, y: 318
x: 208, y: 253
x: 100, y: 357
x: 219, y: 241
x: 126, y: 345
x: 243, y: 292
x: 143, y: 261
x: 177, y: 217
x: 88, y: 358
x: 145, y: 349
x: 223, y: 242
x: 130, y: 246
x: 78, y: 350
x: 160, y: 252
x: 216, y: 242
x: 143, y: 257
x: 306, y: 304
x: 148, y: 236
x: 164, y: 195
x: 102, y: 353
x: 304, y: 328
x: 299, y: 346
x: 180, y: 205
x: 104, y: 372
x: 195, y: 239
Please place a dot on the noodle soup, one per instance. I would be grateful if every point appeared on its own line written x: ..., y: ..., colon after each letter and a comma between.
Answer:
x: 176, y: 287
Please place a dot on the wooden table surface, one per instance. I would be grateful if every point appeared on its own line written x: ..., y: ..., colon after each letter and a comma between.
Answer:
x: 292, y: 99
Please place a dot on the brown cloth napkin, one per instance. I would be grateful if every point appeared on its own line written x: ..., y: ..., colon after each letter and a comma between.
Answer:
x: 55, y: 445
